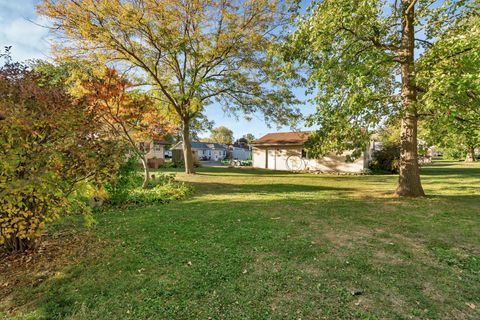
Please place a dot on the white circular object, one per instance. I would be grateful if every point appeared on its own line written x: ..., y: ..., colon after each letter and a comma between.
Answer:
x: 295, y: 163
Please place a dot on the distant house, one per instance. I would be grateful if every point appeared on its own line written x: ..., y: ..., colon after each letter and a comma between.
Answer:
x: 285, y: 151
x: 239, y: 151
x: 203, y: 151
x: 154, y: 151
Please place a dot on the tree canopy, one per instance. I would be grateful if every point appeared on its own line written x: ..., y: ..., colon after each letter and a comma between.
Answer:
x: 221, y: 135
x: 249, y: 138
x: 359, y: 58
x: 129, y: 115
x: 190, y: 53
x: 449, y: 81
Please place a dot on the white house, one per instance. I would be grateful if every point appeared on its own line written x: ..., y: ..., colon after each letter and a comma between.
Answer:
x: 205, y: 150
x: 284, y: 151
x: 154, y: 151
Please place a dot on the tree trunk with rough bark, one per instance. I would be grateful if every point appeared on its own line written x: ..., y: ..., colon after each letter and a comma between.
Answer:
x: 409, y: 184
x: 187, y: 147
x: 146, y: 171
x: 470, y: 155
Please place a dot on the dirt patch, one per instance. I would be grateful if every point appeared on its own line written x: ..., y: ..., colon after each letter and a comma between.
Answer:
x: 31, y: 268
x: 382, y: 256
x: 264, y: 263
x: 347, y: 239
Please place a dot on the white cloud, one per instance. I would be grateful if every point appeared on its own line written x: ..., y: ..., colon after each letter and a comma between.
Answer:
x: 22, y: 29
x: 18, y: 7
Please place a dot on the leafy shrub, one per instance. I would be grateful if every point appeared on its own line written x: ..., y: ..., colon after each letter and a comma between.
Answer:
x: 126, y: 180
x: 386, y: 159
x: 178, y: 164
x: 366, y: 171
x: 169, y: 165
x: 46, y: 152
x: 79, y: 206
x: 159, y: 194
x: 162, y: 188
x: 162, y: 179
x: 246, y: 163
x: 454, y: 153
x: 241, y: 163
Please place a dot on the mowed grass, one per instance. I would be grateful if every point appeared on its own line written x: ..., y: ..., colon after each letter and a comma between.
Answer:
x: 253, y: 244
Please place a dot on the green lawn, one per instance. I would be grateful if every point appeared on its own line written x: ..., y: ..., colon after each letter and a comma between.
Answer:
x: 254, y: 244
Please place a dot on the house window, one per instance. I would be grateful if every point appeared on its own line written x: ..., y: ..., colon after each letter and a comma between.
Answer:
x: 157, y: 146
x: 304, y: 154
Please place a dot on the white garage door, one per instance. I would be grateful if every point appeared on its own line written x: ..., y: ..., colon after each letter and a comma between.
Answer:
x: 271, y: 159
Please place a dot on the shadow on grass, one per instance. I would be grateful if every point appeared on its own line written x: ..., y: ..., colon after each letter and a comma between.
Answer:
x: 435, y: 169
x: 459, y: 200
x: 212, y: 258
x: 442, y: 164
x: 450, y: 170
x: 227, y: 188
x: 172, y: 264
x: 238, y: 172
x: 222, y: 170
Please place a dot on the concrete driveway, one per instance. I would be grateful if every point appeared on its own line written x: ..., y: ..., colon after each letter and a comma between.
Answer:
x: 212, y: 163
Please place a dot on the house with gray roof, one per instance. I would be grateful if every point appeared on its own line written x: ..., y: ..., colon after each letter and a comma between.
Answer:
x: 203, y: 151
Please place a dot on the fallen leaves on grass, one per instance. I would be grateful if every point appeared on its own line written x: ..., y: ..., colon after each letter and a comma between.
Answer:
x: 33, y: 267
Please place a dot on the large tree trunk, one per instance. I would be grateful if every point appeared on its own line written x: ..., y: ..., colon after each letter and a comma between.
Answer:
x: 409, y: 184
x: 146, y: 171
x: 470, y: 155
x: 187, y: 147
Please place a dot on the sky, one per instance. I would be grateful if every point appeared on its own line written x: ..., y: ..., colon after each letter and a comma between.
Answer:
x: 21, y: 28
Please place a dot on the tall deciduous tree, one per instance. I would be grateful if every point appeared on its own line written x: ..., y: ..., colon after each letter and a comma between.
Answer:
x: 246, y: 139
x: 355, y: 51
x: 192, y: 53
x: 449, y: 83
x: 249, y: 138
x: 221, y: 135
x: 197, y: 125
x: 128, y: 114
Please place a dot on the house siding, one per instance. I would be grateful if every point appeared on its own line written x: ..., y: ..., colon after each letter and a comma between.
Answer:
x: 211, y: 151
x: 241, y: 154
x: 158, y: 154
x: 155, y: 153
x: 290, y: 158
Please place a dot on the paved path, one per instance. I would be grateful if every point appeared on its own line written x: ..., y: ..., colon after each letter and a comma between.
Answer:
x: 212, y: 163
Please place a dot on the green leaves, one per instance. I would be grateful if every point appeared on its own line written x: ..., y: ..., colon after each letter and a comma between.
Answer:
x: 448, y: 75
x: 48, y: 144
x: 191, y: 53
x: 351, y: 51
x: 221, y: 135
x: 347, y: 51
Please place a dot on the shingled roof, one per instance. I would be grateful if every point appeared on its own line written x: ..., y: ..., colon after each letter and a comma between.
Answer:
x: 202, y: 145
x: 283, y: 138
